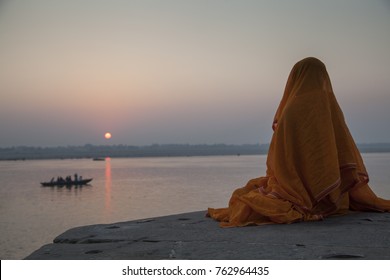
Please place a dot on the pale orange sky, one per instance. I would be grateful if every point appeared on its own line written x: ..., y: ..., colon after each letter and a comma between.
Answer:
x: 182, y: 71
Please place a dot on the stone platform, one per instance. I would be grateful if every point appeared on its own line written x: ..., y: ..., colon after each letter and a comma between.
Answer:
x: 193, y: 236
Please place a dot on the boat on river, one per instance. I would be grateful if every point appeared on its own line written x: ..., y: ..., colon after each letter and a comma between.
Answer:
x: 68, y: 183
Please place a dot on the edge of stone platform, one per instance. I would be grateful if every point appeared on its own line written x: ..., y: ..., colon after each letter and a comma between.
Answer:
x: 358, y: 235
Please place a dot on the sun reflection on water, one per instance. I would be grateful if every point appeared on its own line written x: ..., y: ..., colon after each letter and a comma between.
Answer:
x: 108, y: 185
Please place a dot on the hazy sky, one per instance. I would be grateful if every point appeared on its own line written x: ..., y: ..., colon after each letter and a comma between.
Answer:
x: 182, y: 71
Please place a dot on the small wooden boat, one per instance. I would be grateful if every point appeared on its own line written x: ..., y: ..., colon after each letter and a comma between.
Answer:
x: 99, y: 159
x: 66, y: 183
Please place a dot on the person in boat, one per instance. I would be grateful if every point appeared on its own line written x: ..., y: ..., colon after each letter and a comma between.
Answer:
x: 314, y: 168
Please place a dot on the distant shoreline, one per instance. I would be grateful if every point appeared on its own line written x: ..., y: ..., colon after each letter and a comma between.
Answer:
x: 155, y: 150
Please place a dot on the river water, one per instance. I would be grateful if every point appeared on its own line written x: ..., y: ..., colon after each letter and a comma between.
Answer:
x: 125, y: 189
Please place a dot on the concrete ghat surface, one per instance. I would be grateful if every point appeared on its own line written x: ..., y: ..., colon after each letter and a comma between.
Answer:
x: 193, y: 236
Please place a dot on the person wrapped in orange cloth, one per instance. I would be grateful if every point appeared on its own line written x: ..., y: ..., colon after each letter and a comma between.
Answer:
x: 314, y: 168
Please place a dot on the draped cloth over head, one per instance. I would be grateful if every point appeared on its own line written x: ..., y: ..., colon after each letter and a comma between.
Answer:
x: 314, y: 168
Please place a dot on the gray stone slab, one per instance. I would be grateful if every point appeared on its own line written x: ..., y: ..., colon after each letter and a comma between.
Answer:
x: 193, y: 236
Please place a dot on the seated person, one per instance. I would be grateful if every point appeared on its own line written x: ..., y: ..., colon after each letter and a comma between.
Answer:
x: 314, y: 168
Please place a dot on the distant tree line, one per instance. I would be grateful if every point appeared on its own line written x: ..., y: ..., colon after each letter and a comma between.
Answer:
x: 155, y: 150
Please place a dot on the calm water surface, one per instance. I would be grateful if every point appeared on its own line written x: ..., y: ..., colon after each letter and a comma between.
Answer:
x: 124, y: 189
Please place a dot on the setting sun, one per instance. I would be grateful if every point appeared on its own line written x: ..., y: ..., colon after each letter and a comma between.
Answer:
x: 107, y: 135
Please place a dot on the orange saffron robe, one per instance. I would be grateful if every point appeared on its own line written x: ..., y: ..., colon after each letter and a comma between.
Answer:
x: 314, y: 168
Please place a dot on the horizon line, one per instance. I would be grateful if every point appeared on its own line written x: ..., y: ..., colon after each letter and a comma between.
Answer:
x: 159, y: 144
